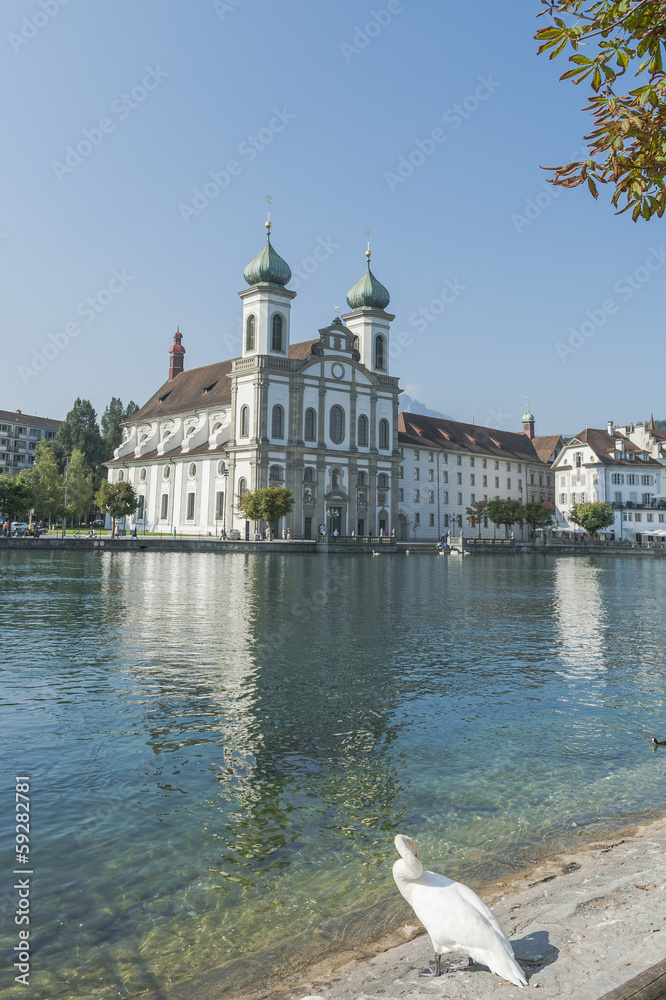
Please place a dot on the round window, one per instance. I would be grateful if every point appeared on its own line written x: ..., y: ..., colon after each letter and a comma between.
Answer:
x: 166, y: 472
x: 142, y: 475
x: 221, y: 468
x: 121, y: 476
x: 193, y: 470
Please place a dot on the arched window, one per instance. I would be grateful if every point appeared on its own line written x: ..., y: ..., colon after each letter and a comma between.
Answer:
x: 275, y: 473
x: 278, y: 421
x: 277, y: 338
x: 380, y: 353
x: 356, y: 344
x: 121, y: 476
x: 337, y: 424
x: 308, y: 476
x: 249, y: 334
x: 382, y: 481
x: 360, y: 479
x: 242, y: 487
x: 310, y: 425
x: 244, y: 421
x: 362, y: 430
x: 383, y: 434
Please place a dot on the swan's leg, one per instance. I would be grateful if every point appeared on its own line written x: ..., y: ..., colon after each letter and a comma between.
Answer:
x: 437, y: 971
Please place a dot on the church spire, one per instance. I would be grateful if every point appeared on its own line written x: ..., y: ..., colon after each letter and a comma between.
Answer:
x: 176, y: 355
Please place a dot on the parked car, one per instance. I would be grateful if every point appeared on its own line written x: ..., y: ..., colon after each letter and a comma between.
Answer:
x: 234, y: 533
x: 99, y: 523
x: 19, y: 528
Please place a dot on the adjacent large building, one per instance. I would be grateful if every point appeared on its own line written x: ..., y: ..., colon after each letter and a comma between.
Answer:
x: 448, y: 466
x: 19, y: 435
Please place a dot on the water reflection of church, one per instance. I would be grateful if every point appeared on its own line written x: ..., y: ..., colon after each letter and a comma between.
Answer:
x: 319, y: 417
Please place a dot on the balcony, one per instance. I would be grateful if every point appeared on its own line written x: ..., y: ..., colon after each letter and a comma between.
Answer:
x: 655, y: 504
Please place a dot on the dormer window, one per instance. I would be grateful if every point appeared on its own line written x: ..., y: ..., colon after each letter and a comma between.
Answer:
x: 209, y: 388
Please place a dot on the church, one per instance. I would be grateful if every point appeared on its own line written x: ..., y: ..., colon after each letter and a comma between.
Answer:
x: 319, y: 417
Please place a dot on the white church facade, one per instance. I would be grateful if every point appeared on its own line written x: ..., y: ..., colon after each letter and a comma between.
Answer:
x: 319, y: 417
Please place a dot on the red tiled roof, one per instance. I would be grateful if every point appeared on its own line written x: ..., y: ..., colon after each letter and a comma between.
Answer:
x: 546, y: 444
x: 603, y: 445
x: 208, y: 386
x: 419, y: 431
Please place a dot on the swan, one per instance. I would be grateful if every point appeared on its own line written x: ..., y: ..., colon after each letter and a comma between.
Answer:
x: 454, y: 916
x: 658, y: 743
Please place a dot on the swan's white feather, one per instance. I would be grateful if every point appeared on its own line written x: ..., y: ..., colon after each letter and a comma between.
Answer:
x: 454, y: 916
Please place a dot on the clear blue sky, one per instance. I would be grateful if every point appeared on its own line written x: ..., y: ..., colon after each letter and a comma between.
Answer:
x: 318, y: 115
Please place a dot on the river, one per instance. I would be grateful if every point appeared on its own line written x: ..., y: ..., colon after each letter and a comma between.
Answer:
x: 221, y: 747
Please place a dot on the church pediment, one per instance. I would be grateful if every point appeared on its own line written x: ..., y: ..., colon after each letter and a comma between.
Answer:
x: 337, y: 495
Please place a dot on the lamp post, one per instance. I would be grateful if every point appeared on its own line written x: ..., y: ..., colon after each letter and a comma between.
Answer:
x: 64, y: 516
x: 225, y: 477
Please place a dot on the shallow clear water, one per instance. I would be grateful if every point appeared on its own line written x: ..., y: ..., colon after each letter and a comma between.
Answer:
x: 222, y: 747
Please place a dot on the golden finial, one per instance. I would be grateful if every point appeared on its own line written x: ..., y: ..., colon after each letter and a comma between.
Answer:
x: 269, y: 202
x: 368, y: 252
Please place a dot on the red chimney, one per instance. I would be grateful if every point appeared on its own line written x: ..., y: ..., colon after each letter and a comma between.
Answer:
x: 176, y: 355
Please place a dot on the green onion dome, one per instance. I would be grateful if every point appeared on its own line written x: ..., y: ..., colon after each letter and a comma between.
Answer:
x: 528, y: 417
x: 267, y: 267
x: 368, y: 293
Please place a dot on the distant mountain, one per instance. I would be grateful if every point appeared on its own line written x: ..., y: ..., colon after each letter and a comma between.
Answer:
x: 409, y: 405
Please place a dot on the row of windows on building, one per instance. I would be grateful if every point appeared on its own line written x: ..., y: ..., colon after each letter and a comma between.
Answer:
x: 16, y: 430
x: 279, y: 346
x: 617, y: 479
x: 336, y: 426
x: 472, y: 460
x: 472, y: 479
x: 444, y: 497
x: 582, y: 497
x: 484, y: 479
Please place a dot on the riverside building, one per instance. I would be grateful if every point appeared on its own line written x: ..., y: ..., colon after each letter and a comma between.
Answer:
x: 608, y: 466
x: 19, y: 436
x: 317, y: 416
x: 448, y: 466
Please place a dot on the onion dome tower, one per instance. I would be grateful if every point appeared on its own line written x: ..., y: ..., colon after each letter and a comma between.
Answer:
x: 368, y: 321
x: 528, y: 423
x: 266, y: 303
